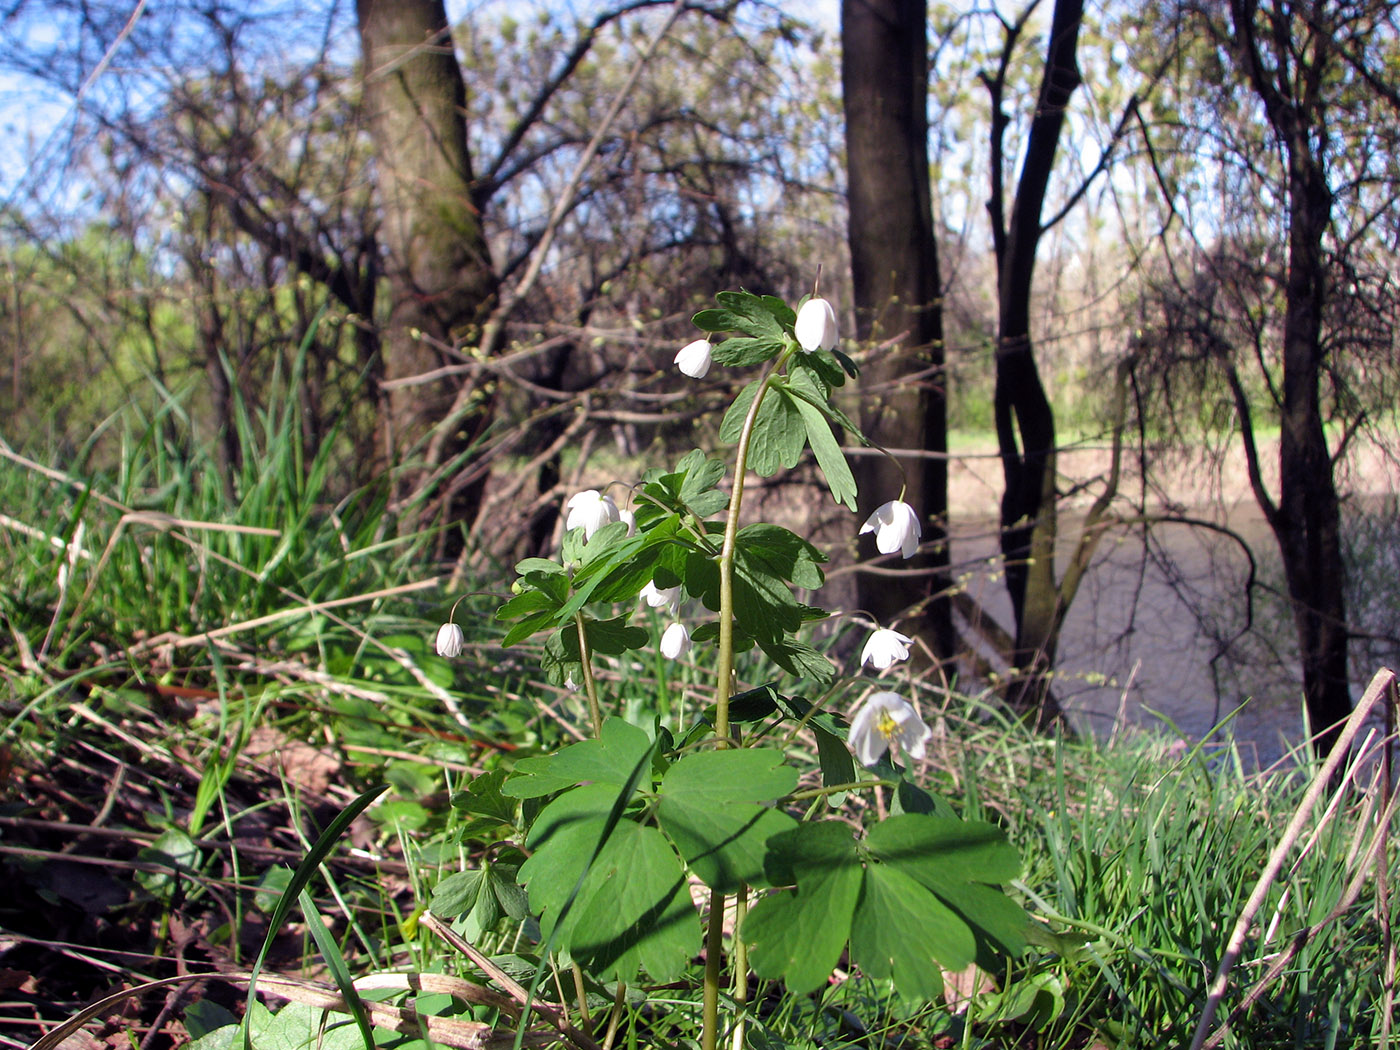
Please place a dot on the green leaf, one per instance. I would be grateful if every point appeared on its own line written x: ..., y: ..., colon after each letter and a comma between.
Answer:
x: 733, y: 423
x: 837, y: 766
x: 801, y: 661
x: 939, y: 850
x: 614, y: 637
x: 483, y: 797
x: 457, y: 893
x: 609, y: 760
x: 902, y: 931
x: 825, y: 370
x: 788, y: 555
x: 635, y: 909
x: 632, y: 906
x: 540, y: 565
x: 830, y: 458
x: 698, y: 490
x: 745, y: 351
x: 779, y: 434
x: 710, y: 808
x: 798, y: 935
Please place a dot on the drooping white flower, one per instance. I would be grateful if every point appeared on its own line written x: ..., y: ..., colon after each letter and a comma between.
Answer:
x: 675, y: 641
x: 592, y: 510
x: 661, y: 597
x: 883, y: 720
x: 694, y: 358
x: 896, y: 527
x: 885, y: 648
x: 816, y: 325
x: 570, y: 684
x: 630, y: 519
x: 449, y: 640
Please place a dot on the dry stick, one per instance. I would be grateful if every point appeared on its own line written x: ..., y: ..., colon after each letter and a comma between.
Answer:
x: 1381, y: 683
x: 550, y: 1012
x: 495, y: 326
x: 1349, y: 896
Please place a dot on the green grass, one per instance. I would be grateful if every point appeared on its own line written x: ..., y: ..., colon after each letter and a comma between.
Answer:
x: 206, y: 681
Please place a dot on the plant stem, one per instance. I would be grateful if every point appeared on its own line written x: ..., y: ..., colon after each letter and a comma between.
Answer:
x: 714, y: 935
x: 726, y: 559
x: 741, y: 968
x: 590, y: 687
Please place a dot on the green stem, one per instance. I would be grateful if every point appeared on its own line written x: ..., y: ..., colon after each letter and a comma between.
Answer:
x: 726, y: 559
x: 714, y: 952
x: 714, y: 935
x: 590, y: 687
x: 741, y: 967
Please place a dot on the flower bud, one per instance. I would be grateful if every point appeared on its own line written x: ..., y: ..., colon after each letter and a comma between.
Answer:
x: 816, y: 325
x: 449, y: 640
x: 675, y: 642
x: 694, y: 359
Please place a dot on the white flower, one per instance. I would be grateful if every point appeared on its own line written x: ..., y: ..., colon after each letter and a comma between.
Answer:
x: 630, y: 519
x: 693, y: 359
x: 661, y: 597
x: 449, y: 640
x: 885, y: 649
x: 592, y: 510
x: 675, y: 642
x: 896, y: 528
x: 883, y: 720
x: 815, y: 325
x: 570, y: 684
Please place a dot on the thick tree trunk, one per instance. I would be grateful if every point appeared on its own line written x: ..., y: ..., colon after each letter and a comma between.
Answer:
x: 1025, y: 421
x: 894, y: 265
x: 437, y: 270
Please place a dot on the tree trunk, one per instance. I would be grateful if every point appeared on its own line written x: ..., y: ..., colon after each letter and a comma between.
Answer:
x: 1307, y: 520
x: 438, y: 271
x: 1025, y: 421
x: 898, y: 299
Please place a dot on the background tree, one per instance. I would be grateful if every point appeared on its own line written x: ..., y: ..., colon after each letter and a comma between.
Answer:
x: 1285, y: 308
x: 897, y: 287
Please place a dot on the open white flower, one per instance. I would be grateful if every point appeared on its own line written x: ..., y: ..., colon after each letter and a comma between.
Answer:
x: 449, y: 640
x: 882, y: 721
x: 661, y: 597
x: 816, y: 325
x: 675, y: 641
x: 885, y: 648
x: 896, y: 527
x: 694, y: 358
x: 591, y: 510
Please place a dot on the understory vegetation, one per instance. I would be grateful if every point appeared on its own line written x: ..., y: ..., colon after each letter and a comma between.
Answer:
x: 199, y: 690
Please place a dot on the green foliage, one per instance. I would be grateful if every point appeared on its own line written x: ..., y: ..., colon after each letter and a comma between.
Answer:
x: 917, y: 893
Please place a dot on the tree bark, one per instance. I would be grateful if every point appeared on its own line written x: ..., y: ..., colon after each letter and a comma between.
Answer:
x: 1306, y: 522
x: 898, y: 300
x: 438, y: 270
x: 1025, y: 420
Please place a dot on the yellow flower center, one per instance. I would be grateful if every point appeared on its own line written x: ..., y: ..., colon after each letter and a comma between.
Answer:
x: 887, y: 727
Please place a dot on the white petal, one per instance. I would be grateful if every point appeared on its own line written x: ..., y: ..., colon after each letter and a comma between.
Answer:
x: 872, y: 732
x: 816, y: 325
x: 449, y: 640
x: 693, y: 359
x: 885, y: 648
x: 675, y: 641
x: 591, y: 510
x: 631, y: 520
